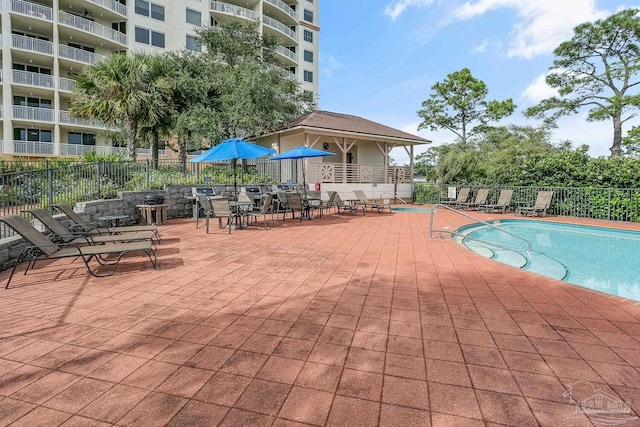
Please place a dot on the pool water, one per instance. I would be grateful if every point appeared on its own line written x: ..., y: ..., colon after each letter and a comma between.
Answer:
x: 603, y: 259
x: 411, y: 210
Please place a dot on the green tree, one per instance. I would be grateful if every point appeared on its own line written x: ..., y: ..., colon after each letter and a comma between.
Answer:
x: 256, y: 94
x: 121, y: 90
x: 425, y: 164
x: 195, y: 122
x: 160, y: 125
x: 597, y: 69
x: 459, y: 102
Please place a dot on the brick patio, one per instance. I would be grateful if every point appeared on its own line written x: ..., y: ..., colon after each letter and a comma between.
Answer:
x: 344, y: 320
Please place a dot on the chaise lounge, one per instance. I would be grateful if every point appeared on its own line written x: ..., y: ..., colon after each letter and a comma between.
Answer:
x: 543, y: 202
x: 41, y: 248
x: 81, y: 225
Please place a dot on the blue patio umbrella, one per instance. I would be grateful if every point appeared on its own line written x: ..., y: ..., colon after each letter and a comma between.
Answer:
x: 302, y: 152
x: 232, y: 149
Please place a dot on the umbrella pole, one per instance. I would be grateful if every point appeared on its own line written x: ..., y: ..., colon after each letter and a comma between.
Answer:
x: 235, y: 184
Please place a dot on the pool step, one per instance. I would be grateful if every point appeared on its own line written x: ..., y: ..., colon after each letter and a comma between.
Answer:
x: 535, y: 262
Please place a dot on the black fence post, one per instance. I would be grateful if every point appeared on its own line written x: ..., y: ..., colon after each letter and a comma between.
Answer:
x: 609, y: 204
x: 49, y: 185
x: 98, y: 184
x: 148, y: 173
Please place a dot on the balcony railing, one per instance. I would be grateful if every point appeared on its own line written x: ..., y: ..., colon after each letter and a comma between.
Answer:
x: 112, y: 5
x: 31, y: 44
x: 356, y: 173
x: 32, y: 9
x: 286, y: 52
x: 67, y: 85
x: 79, y: 150
x: 32, y: 79
x: 284, y: 7
x: 78, y: 55
x: 230, y: 9
x: 89, y: 26
x: 32, y: 147
x: 65, y: 118
x: 280, y: 27
x: 37, y: 114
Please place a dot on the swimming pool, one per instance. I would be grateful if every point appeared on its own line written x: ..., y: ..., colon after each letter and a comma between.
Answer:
x: 603, y: 259
x: 411, y: 210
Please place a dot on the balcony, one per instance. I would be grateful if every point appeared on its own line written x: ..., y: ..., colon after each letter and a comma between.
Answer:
x: 282, y: 6
x: 35, y: 114
x: 32, y: 147
x: 111, y: 5
x: 31, y: 44
x: 66, y: 85
x: 32, y: 79
x: 91, y: 27
x: 78, y: 55
x: 65, y: 118
x: 31, y: 9
x: 280, y: 28
x: 287, y: 53
x: 79, y: 150
x: 235, y: 11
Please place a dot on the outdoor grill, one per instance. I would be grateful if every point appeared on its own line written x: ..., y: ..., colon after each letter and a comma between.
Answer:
x: 209, y: 191
x: 153, y: 199
x: 254, y: 193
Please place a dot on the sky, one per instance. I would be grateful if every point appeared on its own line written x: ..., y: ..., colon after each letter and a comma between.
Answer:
x: 380, y: 58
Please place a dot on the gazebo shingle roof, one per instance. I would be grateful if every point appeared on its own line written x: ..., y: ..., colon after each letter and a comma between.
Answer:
x: 353, y: 124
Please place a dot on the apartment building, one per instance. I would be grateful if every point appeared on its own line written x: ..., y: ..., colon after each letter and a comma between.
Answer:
x: 46, y: 43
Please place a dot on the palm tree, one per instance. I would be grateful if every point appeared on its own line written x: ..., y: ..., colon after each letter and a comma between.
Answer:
x: 125, y: 91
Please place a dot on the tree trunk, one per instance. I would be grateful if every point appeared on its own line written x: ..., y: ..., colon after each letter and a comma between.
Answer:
x: 155, y: 137
x: 130, y: 130
x: 182, y: 156
x: 617, y: 135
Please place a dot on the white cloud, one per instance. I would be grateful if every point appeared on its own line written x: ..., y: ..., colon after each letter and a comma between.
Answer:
x: 542, y: 25
x: 397, y: 7
x: 329, y: 65
x: 482, y: 47
x: 538, y: 90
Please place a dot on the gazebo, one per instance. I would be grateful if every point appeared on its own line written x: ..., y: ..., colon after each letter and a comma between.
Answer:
x: 363, y: 150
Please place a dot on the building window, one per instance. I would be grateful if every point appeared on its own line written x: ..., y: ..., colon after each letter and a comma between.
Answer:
x: 192, y: 44
x: 194, y: 17
x: 82, y: 47
x: 78, y: 138
x: 150, y: 10
x: 308, y: 15
x: 119, y: 26
x: 146, y: 36
x: 31, y: 69
x: 308, y: 76
x: 35, y: 135
x: 308, y: 56
x: 308, y: 36
x: 29, y: 101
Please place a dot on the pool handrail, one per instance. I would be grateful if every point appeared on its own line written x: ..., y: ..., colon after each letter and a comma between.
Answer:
x: 431, y: 229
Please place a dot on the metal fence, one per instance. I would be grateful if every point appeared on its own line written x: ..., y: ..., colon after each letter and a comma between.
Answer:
x: 614, y: 204
x: 47, y: 183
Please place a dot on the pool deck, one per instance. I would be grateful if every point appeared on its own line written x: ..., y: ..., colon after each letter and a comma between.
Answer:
x: 346, y: 320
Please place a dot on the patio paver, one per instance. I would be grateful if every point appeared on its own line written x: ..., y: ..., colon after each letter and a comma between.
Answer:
x: 343, y: 320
